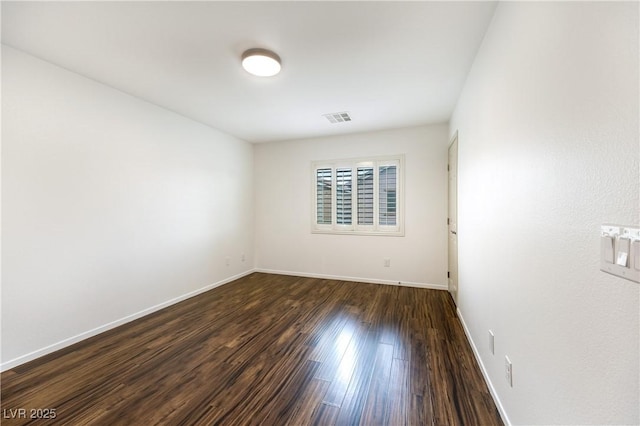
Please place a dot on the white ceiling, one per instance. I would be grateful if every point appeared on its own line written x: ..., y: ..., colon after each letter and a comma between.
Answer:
x: 389, y: 64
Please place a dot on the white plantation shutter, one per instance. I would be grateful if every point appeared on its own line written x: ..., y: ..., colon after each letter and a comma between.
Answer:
x: 343, y: 196
x: 365, y: 195
x: 358, y: 196
x: 323, y: 196
x: 387, y: 198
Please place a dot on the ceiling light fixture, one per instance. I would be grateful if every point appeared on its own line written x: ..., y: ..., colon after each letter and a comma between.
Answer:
x: 261, y: 62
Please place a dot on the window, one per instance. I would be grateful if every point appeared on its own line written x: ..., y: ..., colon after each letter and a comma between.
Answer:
x: 358, y: 196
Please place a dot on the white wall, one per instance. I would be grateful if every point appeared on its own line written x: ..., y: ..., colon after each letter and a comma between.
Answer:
x: 549, y: 150
x: 111, y: 206
x: 284, y: 241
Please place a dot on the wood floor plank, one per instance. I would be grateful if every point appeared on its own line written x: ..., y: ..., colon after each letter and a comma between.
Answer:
x: 325, y: 415
x: 268, y: 349
x: 303, y: 414
x: 398, y: 404
x: 377, y: 404
x: 353, y: 404
x: 342, y: 367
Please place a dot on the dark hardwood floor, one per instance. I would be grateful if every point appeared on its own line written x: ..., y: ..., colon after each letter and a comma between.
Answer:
x: 271, y: 350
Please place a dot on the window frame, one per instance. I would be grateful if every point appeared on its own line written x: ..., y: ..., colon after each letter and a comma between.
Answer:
x: 355, y: 228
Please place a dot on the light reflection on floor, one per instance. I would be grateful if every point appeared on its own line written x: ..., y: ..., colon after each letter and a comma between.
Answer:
x: 343, y: 348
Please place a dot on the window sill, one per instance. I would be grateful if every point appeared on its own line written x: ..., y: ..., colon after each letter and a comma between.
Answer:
x: 364, y: 233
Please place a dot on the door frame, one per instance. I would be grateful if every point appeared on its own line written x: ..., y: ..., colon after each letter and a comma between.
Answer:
x: 452, y: 220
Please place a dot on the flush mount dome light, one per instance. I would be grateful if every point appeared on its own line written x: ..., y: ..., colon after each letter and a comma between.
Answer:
x: 261, y: 62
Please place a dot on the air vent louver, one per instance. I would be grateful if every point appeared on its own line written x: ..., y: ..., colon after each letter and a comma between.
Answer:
x: 337, y: 117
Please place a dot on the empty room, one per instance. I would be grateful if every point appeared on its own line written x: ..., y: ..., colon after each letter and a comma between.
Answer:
x: 320, y: 213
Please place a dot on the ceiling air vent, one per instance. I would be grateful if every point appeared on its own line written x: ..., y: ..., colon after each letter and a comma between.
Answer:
x: 337, y: 117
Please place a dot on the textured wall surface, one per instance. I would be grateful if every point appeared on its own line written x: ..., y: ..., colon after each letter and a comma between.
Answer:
x: 110, y: 205
x: 284, y: 241
x: 549, y: 150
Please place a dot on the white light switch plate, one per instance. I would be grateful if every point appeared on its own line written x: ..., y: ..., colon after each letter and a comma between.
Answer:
x: 626, y: 243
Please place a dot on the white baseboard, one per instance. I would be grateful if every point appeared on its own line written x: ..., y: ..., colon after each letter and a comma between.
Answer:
x: 354, y: 279
x: 90, y: 333
x: 492, y: 390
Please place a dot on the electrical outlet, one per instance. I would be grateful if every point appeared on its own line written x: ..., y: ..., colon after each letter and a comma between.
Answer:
x: 508, y: 370
x: 227, y: 261
x: 242, y: 257
x: 492, y: 341
x: 387, y: 263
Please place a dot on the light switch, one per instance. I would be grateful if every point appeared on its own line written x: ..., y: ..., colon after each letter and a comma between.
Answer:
x: 607, y: 248
x: 622, y: 252
x: 636, y: 255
